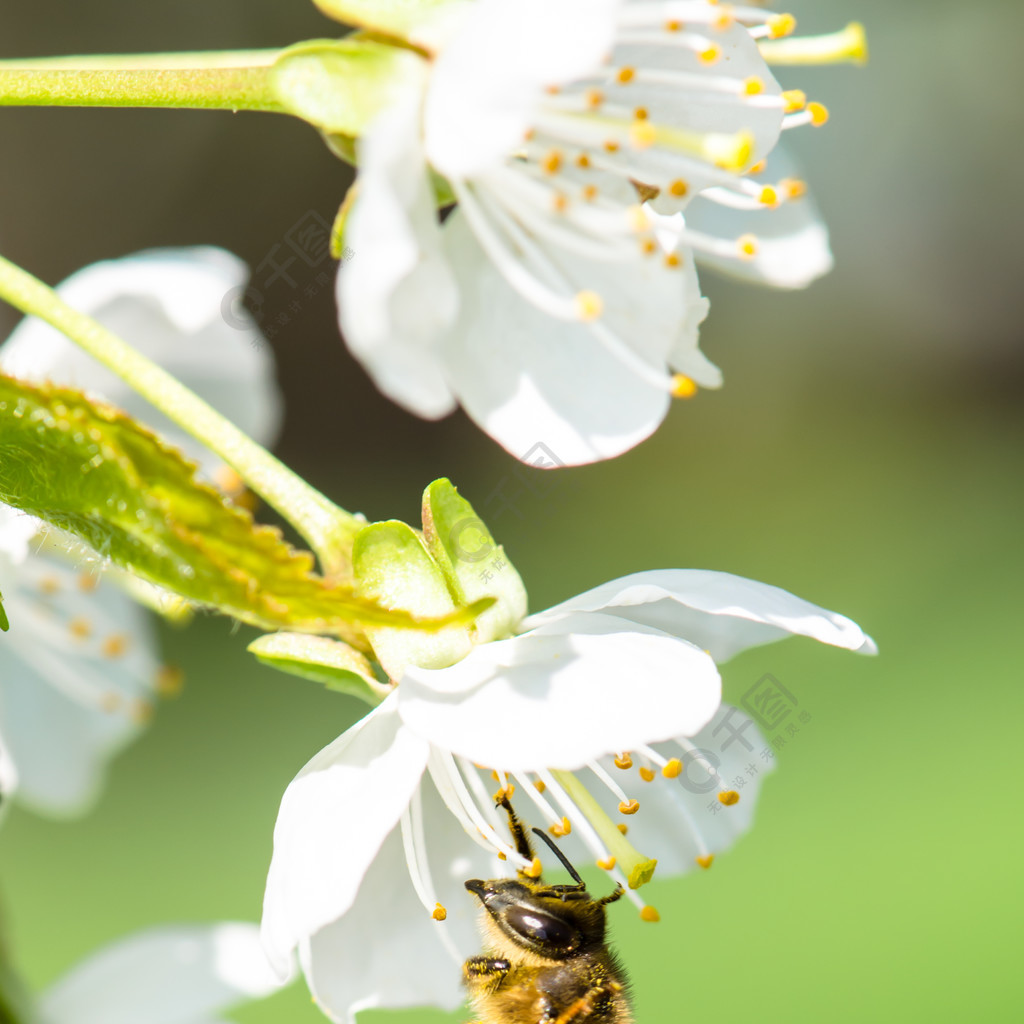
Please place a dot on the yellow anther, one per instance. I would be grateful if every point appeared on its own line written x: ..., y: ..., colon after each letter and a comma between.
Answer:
x: 673, y: 260
x: 111, y: 701
x: 625, y: 75
x: 705, y: 861
x: 641, y: 113
x: 589, y: 193
x: 558, y: 831
x: 818, y: 112
x: 678, y: 188
x: 115, y: 645
x: 589, y: 306
x: 623, y: 761
x: 673, y: 26
x: 503, y: 794
x: 758, y: 167
x: 552, y: 90
x: 495, y: 776
x: 711, y: 54
x: 87, y: 582
x: 673, y: 768
x: 607, y: 864
x: 780, y: 25
x: 682, y: 387
x: 648, y: 247
x: 49, y: 585
x: 141, y: 712
x: 793, y: 188
x: 649, y: 914
x: 611, y: 146
x: 534, y: 870
x: 794, y: 100
x: 501, y: 856
x: 439, y: 913
x: 724, y: 20
x: 552, y: 162
x: 629, y: 806
x: 80, y: 628
x: 228, y: 480
x: 622, y: 827
x: 642, y: 134
x: 559, y: 202
x: 746, y: 247
x: 753, y: 86
x: 729, y: 797
x: 170, y: 680
x: 768, y: 196
x: 539, y: 785
x: 593, y: 98
x: 583, y: 161
x: 646, y: 774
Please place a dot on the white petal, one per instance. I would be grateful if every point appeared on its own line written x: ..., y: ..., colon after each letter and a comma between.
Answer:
x: 527, y: 378
x: 387, y: 951
x: 489, y: 76
x: 333, y: 819
x: 396, y: 295
x: 65, y: 706
x: 16, y: 530
x: 792, y: 240
x: 171, y: 975
x: 8, y: 776
x: 563, y: 695
x: 722, y: 613
x: 178, y: 307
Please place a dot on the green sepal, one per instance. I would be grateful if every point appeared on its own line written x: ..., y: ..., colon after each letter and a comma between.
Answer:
x: 335, y: 664
x: 474, y: 566
x: 87, y: 468
x: 4, y: 624
x: 341, y: 85
x: 394, y: 569
x: 405, y: 19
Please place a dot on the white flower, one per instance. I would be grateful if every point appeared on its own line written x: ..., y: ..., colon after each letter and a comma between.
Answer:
x: 373, y: 830
x: 78, y: 667
x: 170, y: 975
x: 554, y: 305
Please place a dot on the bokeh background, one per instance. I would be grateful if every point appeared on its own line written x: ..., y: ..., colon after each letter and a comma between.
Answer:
x: 865, y: 453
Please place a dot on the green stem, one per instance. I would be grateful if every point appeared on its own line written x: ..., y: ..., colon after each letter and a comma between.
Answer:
x: 328, y: 529
x: 207, y: 81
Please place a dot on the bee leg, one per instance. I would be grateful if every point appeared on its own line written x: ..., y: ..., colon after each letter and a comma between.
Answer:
x: 484, y: 974
x: 515, y: 826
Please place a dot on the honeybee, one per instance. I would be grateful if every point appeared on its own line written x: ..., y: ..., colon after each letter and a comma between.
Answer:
x: 547, y: 960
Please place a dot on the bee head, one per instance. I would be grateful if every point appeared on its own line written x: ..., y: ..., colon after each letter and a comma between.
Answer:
x: 554, y: 922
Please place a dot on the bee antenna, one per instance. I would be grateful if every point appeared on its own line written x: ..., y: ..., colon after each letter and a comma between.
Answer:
x: 561, y: 856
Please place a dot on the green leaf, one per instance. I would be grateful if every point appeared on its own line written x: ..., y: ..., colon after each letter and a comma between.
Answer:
x: 406, y: 19
x: 331, y: 662
x: 91, y: 470
x: 473, y: 564
x: 4, y: 624
x: 393, y: 568
x: 341, y: 85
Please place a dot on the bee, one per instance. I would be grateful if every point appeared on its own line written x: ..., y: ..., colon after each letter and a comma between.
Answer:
x: 547, y: 960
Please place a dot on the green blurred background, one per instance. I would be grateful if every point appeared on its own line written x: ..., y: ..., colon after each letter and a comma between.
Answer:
x: 865, y: 453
